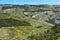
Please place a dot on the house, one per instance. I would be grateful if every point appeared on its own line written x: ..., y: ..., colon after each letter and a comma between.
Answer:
x: 33, y: 17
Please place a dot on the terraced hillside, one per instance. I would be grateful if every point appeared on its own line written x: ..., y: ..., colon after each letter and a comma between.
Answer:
x: 29, y: 22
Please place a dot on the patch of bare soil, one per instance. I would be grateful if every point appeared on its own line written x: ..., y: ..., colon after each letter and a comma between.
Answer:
x: 5, y: 33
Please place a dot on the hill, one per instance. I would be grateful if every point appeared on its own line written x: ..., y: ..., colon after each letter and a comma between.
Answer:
x: 29, y: 22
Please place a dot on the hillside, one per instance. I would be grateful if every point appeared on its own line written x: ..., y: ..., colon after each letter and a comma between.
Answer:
x: 29, y: 22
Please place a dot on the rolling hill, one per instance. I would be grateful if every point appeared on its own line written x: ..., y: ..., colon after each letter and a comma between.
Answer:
x: 29, y: 22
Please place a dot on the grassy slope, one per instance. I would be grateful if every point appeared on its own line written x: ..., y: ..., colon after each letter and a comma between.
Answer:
x: 20, y: 27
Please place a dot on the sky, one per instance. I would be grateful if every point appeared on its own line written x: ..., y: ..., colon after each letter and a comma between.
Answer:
x: 30, y: 2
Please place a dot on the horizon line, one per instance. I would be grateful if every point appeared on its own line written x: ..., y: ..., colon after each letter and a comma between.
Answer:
x: 27, y: 4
